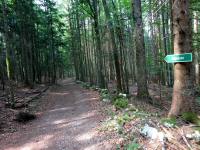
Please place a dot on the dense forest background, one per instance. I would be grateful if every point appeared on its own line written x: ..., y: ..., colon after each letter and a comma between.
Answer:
x: 101, y: 42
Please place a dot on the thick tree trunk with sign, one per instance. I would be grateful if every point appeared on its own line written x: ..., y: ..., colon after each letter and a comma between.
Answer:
x: 182, y: 100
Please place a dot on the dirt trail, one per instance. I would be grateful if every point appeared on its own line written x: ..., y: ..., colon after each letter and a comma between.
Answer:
x: 68, y: 123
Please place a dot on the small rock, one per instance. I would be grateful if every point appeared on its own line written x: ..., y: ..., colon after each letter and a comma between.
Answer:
x: 152, y: 133
x: 123, y: 95
x: 106, y: 100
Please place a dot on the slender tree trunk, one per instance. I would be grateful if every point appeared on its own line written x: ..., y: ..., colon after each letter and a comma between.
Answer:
x: 154, y: 47
x: 196, y: 53
x: 101, y: 80
x: 9, y: 64
x: 140, y: 51
x: 114, y: 46
x: 165, y: 44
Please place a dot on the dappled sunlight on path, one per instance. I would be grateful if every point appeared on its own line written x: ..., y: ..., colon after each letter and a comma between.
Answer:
x: 69, y: 123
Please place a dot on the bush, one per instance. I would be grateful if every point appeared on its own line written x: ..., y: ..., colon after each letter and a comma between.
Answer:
x: 169, y: 121
x: 122, y: 119
x: 121, y: 103
x: 191, y: 117
x: 104, y: 94
x: 85, y: 85
x: 104, y: 91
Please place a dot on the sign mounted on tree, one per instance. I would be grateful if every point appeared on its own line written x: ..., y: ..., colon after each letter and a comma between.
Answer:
x: 186, y: 57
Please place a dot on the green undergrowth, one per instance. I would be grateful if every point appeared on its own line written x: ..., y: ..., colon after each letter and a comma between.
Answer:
x: 120, y: 113
x: 125, y: 118
x: 188, y: 117
x: 191, y: 117
x: 117, y: 122
x: 197, y: 90
x: 130, y: 146
x: 121, y: 103
x: 170, y: 122
x: 87, y: 85
x: 117, y: 119
x: 104, y: 94
x: 198, y: 100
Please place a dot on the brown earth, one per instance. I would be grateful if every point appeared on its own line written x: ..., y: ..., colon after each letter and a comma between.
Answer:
x: 69, y: 121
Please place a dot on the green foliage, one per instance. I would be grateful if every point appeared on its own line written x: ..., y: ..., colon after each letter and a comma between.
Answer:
x: 104, y: 91
x: 93, y: 87
x: 120, y: 130
x: 191, y: 117
x: 42, y: 28
x: 171, y: 121
x: 133, y: 146
x: 118, y: 96
x: 111, y: 113
x: 121, y: 103
x: 198, y: 100
x: 85, y: 85
x: 197, y: 93
x: 118, y: 147
x: 104, y: 94
x: 124, y: 118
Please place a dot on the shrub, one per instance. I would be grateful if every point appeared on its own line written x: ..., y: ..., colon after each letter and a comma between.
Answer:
x: 104, y: 91
x: 169, y: 121
x: 85, y: 85
x: 124, y: 118
x: 191, y: 117
x: 121, y: 103
x: 104, y: 94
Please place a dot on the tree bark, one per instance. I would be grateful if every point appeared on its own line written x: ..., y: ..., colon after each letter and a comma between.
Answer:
x: 101, y: 80
x: 114, y: 46
x: 182, y: 100
x: 140, y: 51
x: 196, y: 53
x: 9, y: 64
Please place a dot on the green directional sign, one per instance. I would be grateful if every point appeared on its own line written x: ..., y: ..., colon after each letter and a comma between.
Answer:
x: 186, y: 57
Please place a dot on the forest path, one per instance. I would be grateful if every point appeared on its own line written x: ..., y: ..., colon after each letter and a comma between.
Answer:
x: 68, y: 123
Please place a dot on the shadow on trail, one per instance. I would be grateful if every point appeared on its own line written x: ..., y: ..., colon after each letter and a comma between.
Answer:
x: 68, y: 123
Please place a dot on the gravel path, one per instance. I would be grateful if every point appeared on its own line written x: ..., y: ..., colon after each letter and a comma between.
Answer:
x: 69, y: 122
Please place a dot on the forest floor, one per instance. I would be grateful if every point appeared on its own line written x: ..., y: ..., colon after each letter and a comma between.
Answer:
x: 68, y: 119
x: 74, y: 116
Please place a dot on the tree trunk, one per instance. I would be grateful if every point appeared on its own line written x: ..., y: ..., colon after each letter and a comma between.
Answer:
x: 140, y: 51
x: 114, y: 46
x: 101, y: 80
x: 9, y: 64
x: 182, y: 100
x: 196, y: 53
